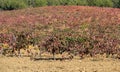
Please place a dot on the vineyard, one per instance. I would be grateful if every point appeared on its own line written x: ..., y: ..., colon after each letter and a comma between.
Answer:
x: 60, y: 33
x: 77, y: 30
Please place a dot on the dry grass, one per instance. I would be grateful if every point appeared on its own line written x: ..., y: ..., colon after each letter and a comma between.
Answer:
x: 15, y: 64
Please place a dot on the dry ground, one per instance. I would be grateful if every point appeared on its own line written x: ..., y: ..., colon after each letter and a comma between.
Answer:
x: 15, y: 64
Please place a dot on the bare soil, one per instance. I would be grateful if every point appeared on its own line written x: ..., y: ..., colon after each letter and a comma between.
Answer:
x: 24, y: 64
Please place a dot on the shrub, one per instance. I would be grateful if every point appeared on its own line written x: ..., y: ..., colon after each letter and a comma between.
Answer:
x: 11, y: 5
x: 38, y: 3
x: 81, y: 2
x: 53, y: 2
x: 116, y: 3
x: 101, y: 3
x: 72, y: 2
x: 63, y: 2
x: 18, y: 4
x: 105, y: 3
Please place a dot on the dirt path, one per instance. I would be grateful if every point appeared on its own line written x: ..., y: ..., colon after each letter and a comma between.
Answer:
x: 9, y: 64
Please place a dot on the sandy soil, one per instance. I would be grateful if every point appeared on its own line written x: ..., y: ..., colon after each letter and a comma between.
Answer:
x: 15, y: 64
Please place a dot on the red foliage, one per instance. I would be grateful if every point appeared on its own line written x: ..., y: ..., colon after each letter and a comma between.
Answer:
x: 70, y: 15
x: 90, y: 30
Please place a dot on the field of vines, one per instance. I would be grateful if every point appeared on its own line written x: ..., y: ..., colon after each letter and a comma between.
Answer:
x: 77, y: 30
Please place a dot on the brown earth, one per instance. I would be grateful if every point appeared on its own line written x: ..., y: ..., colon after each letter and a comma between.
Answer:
x: 16, y: 64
